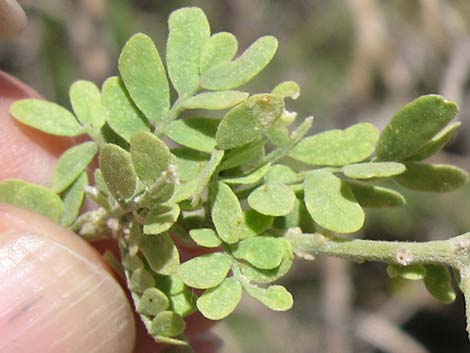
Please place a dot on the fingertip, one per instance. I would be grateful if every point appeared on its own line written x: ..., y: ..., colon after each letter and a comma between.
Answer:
x: 12, y: 19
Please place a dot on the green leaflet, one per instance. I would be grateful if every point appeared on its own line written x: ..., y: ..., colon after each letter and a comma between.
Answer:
x: 228, y: 75
x: 34, y: 197
x: 214, y: 100
x: 123, y: 116
x: 140, y: 280
x: 373, y: 170
x: 189, y: 32
x: 170, y: 285
x: 331, y: 202
x: 118, y: 171
x: 189, y: 163
x: 161, y: 253
x: 71, y: 164
x: 167, y: 324
x: 337, y: 147
x: 413, y: 126
x: 152, y: 302
x: 219, y: 302
x: 272, y: 199
x: 206, y: 175
x: 132, y: 262
x: 205, y: 237
x: 150, y: 156
x: 158, y: 222
x: 144, y: 76
x: 242, y: 155
x: 437, y: 143
x: 86, y: 102
x: 410, y: 272
x: 250, y: 178
x: 376, y: 196
x: 432, y: 177
x: 276, y: 297
x: 73, y: 199
x: 227, y: 214
x: 249, y: 121
x: 205, y: 271
x: 195, y: 133
x: 281, y: 173
x: 46, y: 116
x: 254, y: 223
x: 438, y: 283
x: 220, y: 48
x: 184, y: 191
x: 183, y: 303
x: 298, y: 217
x: 287, y: 89
x: 267, y: 276
x: 263, y: 252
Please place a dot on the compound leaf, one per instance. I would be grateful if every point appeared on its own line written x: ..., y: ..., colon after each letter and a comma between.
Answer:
x: 144, y: 76
x: 331, y: 202
x: 413, y: 126
x: 71, y: 164
x: 46, y: 116
x: 337, y: 147
x: 205, y: 271
x: 228, y: 75
x: 249, y: 120
x: 189, y: 32
x: 219, y: 302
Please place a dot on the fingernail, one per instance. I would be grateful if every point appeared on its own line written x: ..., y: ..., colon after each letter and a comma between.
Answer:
x: 12, y: 18
x: 54, y: 300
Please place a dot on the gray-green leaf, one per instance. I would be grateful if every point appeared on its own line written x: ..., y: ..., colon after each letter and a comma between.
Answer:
x: 205, y: 271
x: 262, y: 252
x: 152, y: 302
x: 189, y: 32
x: 161, y: 253
x: 195, y: 133
x: 413, y: 126
x: 432, y: 177
x: 118, y: 171
x: 73, y: 199
x: 144, y: 76
x: 71, y: 164
x: 331, y: 202
x: 229, y: 75
x: 249, y: 121
x: 227, y: 214
x: 46, y: 116
x: 123, y: 116
x: 272, y: 199
x: 205, y: 237
x: 373, y: 170
x: 219, y: 302
x: 86, y: 102
x: 220, y: 48
x: 337, y: 147
x: 150, y: 156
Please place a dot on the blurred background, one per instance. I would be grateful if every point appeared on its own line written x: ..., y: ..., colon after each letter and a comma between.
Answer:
x: 356, y: 60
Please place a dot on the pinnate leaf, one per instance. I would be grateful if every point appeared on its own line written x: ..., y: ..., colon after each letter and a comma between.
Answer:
x: 276, y: 297
x: 337, y: 147
x: 144, y: 76
x: 189, y: 32
x: 46, y: 116
x: 249, y: 120
x: 233, y: 74
x: 227, y: 214
x: 214, y: 100
x: 86, y: 101
x: 123, y: 116
x: 71, y: 164
x: 118, y: 171
x: 150, y: 156
x: 219, y: 302
x: 272, y: 199
x: 263, y: 252
x: 331, y: 202
x: 413, y: 126
x: 373, y: 170
x: 205, y: 271
x: 432, y: 177
x: 220, y: 48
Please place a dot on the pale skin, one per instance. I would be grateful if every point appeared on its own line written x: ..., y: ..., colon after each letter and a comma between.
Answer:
x: 57, y: 295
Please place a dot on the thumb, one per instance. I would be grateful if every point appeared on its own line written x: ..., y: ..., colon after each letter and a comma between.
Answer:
x: 56, y: 294
x: 12, y: 18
